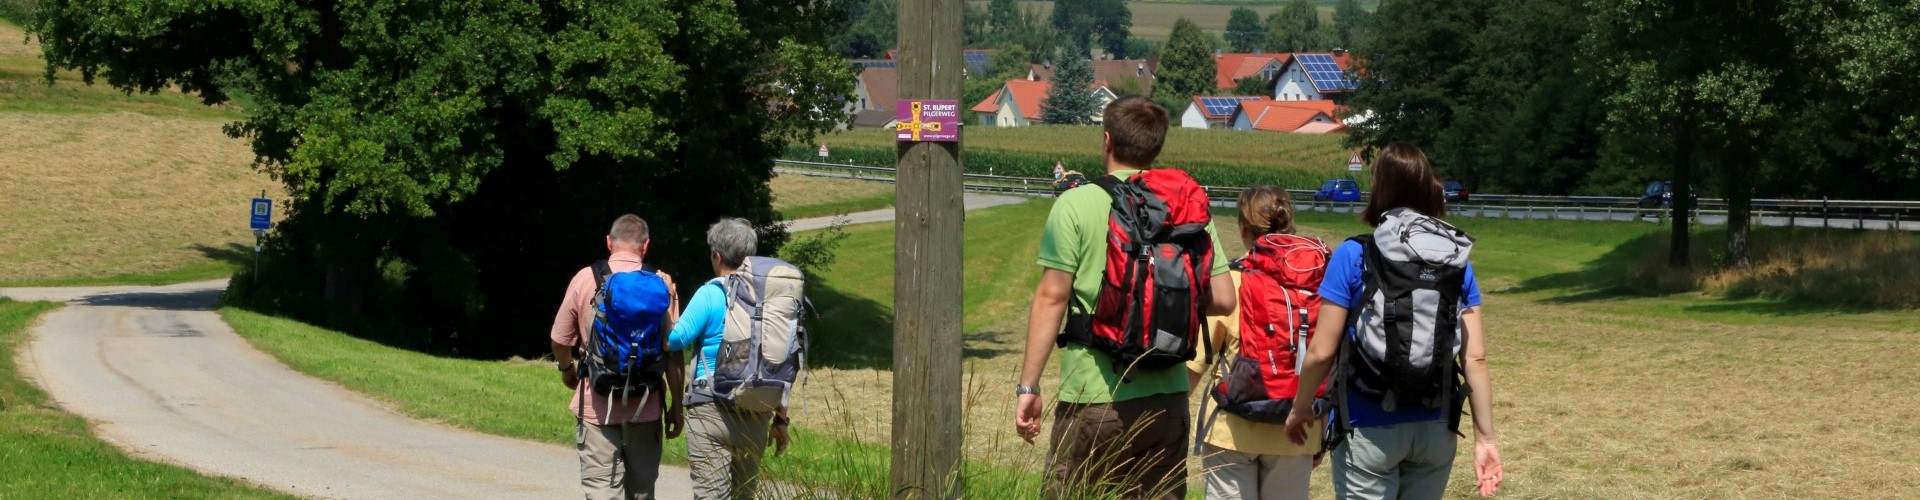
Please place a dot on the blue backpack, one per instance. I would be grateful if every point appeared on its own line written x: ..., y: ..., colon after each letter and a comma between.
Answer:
x: 626, y: 352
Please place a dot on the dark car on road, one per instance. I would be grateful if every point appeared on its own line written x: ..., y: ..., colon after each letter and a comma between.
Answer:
x: 1660, y: 194
x: 1454, y: 191
x: 1338, y: 190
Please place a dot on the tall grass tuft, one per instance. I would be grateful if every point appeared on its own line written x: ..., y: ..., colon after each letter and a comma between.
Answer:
x: 1845, y: 268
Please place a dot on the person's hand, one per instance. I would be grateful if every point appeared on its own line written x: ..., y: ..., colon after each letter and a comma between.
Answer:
x: 674, y: 420
x: 1486, y: 465
x: 1297, y: 421
x: 1319, y: 457
x: 571, y: 378
x: 779, y: 434
x: 1026, y: 416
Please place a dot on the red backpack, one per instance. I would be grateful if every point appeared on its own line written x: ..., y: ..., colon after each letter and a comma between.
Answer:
x: 1279, y: 307
x: 1152, y: 299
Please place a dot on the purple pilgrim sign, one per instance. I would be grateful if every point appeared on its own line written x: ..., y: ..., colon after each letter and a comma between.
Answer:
x: 927, y: 120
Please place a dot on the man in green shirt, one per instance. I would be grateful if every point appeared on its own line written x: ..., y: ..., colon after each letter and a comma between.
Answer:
x: 1125, y: 431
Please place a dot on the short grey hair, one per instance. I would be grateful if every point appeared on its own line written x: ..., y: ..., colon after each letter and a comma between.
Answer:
x: 629, y: 231
x: 733, y: 238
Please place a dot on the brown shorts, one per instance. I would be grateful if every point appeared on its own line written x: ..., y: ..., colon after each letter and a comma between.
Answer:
x: 1132, y: 449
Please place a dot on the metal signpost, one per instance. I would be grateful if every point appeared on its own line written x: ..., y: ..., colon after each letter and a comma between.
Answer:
x: 262, y: 219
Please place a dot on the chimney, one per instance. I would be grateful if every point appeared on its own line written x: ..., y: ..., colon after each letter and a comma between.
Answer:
x: 1339, y: 52
x: 1216, y: 52
x: 1046, y: 64
x: 1256, y: 52
x: 1140, y: 70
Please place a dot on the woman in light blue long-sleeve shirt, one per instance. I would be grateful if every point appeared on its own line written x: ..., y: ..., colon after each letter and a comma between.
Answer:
x: 724, y: 444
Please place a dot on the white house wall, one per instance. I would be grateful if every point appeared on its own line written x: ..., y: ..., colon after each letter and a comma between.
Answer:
x: 1294, y: 86
x: 1193, y: 117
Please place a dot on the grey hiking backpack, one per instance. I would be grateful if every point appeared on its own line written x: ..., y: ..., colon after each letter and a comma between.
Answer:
x: 1404, y: 344
x: 763, y: 347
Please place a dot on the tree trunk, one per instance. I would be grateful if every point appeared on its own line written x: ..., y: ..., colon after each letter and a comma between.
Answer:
x: 1739, y: 197
x: 1682, y: 152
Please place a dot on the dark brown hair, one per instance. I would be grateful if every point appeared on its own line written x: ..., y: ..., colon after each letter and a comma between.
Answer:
x: 1265, y: 209
x: 1403, y: 178
x: 1137, y: 127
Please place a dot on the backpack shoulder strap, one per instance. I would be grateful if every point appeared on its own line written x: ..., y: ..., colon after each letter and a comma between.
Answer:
x: 601, y: 270
x: 1108, y: 183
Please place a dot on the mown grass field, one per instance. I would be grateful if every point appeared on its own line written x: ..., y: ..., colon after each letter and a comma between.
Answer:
x: 1154, y: 20
x: 800, y: 197
x: 48, y: 453
x: 107, y: 188
x: 1216, y: 157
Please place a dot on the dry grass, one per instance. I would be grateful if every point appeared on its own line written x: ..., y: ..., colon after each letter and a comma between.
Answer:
x: 100, y: 195
x: 103, y: 186
x: 1605, y: 396
x: 800, y: 196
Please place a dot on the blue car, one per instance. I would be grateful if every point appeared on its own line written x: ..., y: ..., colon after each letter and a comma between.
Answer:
x: 1338, y: 190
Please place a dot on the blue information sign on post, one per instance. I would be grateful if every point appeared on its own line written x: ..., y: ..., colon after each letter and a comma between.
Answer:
x: 262, y: 213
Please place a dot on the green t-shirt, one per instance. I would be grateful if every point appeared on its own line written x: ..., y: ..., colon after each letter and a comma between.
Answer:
x: 1075, y: 241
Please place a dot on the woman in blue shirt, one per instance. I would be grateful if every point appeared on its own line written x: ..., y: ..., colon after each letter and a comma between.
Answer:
x: 723, y: 444
x: 1403, y: 453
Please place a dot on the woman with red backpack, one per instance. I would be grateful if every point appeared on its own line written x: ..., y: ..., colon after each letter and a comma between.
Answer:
x: 1253, y: 355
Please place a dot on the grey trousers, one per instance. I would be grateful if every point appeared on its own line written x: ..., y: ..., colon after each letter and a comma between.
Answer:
x: 723, y: 450
x: 619, y: 461
x: 1403, y: 461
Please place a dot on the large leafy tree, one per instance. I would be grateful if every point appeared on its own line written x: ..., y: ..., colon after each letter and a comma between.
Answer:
x: 452, y: 165
x: 1718, y: 105
x: 1002, y: 16
x: 1070, y: 101
x: 1186, y: 66
x: 1350, y: 23
x: 1296, y: 28
x: 1106, y: 24
x: 871, y: 28
x: 1245, y: 33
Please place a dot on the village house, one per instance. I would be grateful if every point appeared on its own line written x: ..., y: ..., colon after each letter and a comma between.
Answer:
x: 1017, y: 103
x: 1314, y: 77
x: 1212, y: 111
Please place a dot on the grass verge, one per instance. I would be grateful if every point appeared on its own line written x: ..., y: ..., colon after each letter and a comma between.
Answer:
x: 801, y: 197
x: 47, y: 453
x: 524, y: 399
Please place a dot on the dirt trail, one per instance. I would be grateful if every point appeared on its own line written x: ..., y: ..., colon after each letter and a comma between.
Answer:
x: 159, y: 374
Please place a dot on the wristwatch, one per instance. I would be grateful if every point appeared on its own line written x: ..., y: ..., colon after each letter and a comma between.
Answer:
x: 1025, y: 389
x: 563, y: 367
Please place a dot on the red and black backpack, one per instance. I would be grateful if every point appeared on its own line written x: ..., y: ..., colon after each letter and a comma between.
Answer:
x: 1279, y: 306
x: 1152, y: 299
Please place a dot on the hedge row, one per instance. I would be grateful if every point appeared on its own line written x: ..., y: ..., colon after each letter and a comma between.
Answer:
x: 1023, y: 164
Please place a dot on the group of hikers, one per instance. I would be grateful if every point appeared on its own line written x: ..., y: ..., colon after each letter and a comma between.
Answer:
x: 619, y: 341
x: 1369, y: 351
x: 1366, y: 354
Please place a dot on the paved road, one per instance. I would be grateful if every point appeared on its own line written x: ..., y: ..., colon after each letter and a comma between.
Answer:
x: 159, y: 374
x: 973, y: 201
x: 1631, y: 215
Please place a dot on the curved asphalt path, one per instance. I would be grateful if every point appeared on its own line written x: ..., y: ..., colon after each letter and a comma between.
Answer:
x: 160, y: 375
x: 971, y: 201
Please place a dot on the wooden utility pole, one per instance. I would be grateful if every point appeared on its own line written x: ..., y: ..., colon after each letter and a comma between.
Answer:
x: 927, y: 272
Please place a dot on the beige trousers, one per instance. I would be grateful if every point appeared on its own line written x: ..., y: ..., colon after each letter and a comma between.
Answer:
x: 619, y: 461
x: 724, y: 449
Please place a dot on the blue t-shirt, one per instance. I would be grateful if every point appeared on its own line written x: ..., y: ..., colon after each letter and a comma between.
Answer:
x: 702, y: 322
x: 1342, y: 286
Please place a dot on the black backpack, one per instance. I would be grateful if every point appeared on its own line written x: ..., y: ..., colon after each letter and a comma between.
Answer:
x: 1404, y: 348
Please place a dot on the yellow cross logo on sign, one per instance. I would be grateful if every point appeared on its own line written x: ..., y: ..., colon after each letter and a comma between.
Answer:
x: 916, y: 125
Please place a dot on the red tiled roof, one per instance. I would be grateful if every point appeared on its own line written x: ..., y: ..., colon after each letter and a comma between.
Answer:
x: 1110, y: 71
x: 1231, y: 67
x: 991, y: 104
x: 882, y: 89
x: 1286, y: 116
x: 1026, y: 95
x: 1321, y: 128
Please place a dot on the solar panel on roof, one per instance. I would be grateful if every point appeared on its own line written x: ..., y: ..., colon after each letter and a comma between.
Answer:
x: 1326, y: 74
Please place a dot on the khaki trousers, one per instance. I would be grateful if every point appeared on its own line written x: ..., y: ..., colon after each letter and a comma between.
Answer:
x: 724, y: 447
x: 1232, y: 475
x: 619, y: 461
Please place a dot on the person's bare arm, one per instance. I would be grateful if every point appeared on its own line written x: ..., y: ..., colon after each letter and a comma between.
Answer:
x: 1486, y: 449
x: 1320, y: 357
x: 1043, y: 329
x: 1224, y: 296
